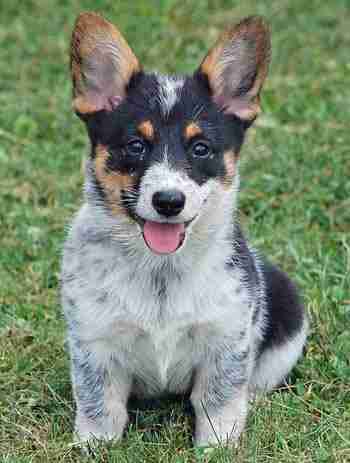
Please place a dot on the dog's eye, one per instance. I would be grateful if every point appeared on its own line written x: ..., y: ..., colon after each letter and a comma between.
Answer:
x: 136, y: 147
x: 200, y: 149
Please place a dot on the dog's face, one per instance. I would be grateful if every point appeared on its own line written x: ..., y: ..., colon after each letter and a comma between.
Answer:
x: 165, y: 149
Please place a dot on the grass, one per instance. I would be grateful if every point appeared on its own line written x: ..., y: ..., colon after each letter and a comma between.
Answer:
x: 295, y: 202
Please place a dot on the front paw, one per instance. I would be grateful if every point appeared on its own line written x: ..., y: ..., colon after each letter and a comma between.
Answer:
x: 90, y: 432
x: 222, y: 428
x: 211, y: 435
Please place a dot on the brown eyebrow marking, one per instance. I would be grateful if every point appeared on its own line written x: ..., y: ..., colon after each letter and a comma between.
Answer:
x: 192, y: 130
x: 147, y: 130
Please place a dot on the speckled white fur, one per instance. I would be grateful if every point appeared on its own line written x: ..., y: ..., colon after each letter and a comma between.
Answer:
x: 119, y: 323
x: 200, y: 320
x: 140, y: 323
x: 162, y: 177
x: 169, y: 91
x: 110, y: 300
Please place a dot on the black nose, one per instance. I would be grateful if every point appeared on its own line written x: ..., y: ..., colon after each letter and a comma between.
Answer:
x: 168, y: 202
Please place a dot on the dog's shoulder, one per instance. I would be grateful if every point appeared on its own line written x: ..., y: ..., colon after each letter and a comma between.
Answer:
x: 245, y: 259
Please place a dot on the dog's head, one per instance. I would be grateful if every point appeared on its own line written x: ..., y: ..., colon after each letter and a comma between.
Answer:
x: 165, y: 149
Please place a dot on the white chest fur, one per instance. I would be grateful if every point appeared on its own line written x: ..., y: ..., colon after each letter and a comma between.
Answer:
x: 156, y: 322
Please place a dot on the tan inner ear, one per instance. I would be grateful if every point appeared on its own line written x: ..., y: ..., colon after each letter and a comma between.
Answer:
x: 210, y: 66
x: 102, y: 64
x: 230, y: 57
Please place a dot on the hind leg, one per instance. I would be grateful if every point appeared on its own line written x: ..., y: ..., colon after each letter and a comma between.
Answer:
x: 284, y: 325
x: 276, y: 362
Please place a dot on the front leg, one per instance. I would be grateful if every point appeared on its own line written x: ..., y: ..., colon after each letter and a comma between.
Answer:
x: 220, y: 396
x: 101, y: 392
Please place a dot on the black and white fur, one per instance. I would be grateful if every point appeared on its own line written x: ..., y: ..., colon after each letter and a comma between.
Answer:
x: 213, y: 319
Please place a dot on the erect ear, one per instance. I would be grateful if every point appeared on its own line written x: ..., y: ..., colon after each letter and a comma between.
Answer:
x: 102, y: 64
x: 237, y: 66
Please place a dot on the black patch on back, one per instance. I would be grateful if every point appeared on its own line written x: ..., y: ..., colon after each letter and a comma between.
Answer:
x: 285, y: 310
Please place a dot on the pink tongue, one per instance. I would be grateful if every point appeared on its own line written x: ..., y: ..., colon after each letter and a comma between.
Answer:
x: 163, y: 238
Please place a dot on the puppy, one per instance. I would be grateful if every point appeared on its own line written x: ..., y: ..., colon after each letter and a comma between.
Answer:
x: 161, y: 292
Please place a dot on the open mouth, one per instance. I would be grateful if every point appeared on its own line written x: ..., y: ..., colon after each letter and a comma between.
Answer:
x: 163, y: 237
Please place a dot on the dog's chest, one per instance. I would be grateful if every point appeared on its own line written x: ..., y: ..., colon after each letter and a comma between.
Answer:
x: 160, y: 356
x: 163, y: 359
x: 158, y: 328
x: 161, y: 336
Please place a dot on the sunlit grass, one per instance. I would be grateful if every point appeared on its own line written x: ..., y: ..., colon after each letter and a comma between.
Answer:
x: 295, y: 206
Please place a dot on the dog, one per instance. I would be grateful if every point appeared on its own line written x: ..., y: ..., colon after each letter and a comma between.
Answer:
x: 160, y: 290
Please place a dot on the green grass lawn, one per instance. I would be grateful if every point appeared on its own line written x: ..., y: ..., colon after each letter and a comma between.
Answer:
x: 295, y: 205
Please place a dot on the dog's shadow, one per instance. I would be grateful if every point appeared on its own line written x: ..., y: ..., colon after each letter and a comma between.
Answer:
x: 151, y: 416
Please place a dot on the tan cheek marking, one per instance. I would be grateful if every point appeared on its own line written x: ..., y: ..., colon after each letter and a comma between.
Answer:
x: 112, y: 182
x: 230, y: 166
x: 192, y: 130
x: 147, y: 130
